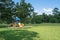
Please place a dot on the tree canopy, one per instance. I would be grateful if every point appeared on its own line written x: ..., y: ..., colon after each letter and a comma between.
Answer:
x: 26, y: 12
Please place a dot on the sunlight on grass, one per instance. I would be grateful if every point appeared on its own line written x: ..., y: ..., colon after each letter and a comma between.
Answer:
x: 35, y: 33
x: 48, y: 32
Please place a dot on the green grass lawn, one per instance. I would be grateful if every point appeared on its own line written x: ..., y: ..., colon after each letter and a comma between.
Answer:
x: 37, y: 32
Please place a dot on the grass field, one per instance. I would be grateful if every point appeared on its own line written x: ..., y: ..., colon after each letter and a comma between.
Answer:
x: 37, y: 32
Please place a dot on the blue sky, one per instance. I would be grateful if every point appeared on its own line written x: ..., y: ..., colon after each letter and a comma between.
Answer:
x: 43, y: 5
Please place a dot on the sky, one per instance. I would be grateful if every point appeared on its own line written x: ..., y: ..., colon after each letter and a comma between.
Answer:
x: 41, y: 6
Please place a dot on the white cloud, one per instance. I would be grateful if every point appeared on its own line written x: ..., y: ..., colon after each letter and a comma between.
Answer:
x: 46, y: 10
x: 38, y: 11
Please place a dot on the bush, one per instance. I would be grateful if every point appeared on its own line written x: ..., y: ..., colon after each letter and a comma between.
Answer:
x: 4, y: 25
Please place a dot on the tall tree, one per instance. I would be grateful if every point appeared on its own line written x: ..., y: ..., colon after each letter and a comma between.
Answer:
x: 24, y: 10
x: 34, y: 16
x: 6, y: 9
x: 56, y: 13
x: 45, y: 17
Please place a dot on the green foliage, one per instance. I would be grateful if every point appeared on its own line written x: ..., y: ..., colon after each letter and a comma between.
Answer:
x: 24, y: 10
x: 38, y: 19
x: 56, y: 13
x: 44, y: 18
x: 6, y: 10
x: 4, y: 25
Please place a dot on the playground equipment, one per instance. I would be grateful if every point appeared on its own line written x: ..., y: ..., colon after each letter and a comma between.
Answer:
x: 16, y: 22
x: 21, y: 25
x: 17, y: 25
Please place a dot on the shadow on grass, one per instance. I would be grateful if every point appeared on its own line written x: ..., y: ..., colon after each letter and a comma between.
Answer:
x: 18, y: 35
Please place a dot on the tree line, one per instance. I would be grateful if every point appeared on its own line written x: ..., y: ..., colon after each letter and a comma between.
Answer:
x: 25, y: 11
x: 51, y: 18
